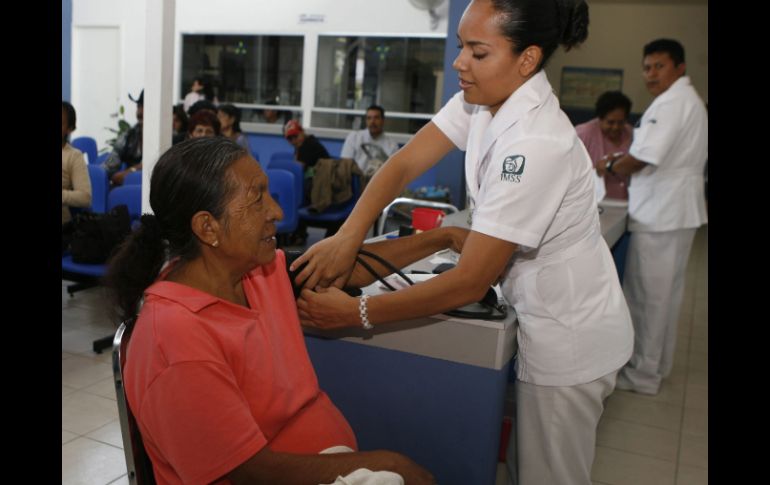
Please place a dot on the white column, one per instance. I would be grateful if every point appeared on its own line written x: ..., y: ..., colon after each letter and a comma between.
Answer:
x: 309, y: 58
x: 158, y: 88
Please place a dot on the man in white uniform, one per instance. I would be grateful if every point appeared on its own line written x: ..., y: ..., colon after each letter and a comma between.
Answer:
x: 666, y: 206
x: 370, y: 147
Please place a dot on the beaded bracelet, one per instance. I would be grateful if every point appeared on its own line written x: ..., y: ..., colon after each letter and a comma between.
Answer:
x: 362, y: 310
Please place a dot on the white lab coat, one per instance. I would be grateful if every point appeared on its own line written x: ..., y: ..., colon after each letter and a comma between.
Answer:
x: 531, y: 182
x: 666, y: 203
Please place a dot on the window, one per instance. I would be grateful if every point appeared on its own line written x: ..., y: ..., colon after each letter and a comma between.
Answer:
x: 403, y: 75
x: 250, y: 71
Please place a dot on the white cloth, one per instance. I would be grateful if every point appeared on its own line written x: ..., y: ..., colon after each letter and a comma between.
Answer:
x: 531, y: 182
x: 363, y: 476
x: 361, y: 147
x: 672, y: 138
x: 191, y: 98
x: 555, y: 430
x: 656, y: 265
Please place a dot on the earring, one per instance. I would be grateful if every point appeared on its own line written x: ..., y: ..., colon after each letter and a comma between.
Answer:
x: 215, y: 244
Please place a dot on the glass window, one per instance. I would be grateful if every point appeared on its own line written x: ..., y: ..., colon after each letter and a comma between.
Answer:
x: 403, y: 75
x: 248, y: 69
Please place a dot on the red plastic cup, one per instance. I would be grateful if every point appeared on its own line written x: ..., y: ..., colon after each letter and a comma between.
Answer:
x: 424, y: 219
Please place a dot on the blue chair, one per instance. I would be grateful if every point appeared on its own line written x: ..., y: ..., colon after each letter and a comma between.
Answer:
x: 100, y: 186
x: 276, y: 156
x: 133, y: 178
x: 295, y: 168
x: 253, y: 149
x: 332, y: 218
x: 101, y: 158
x: 281, y: 186
x: 131, y: 195
x: 87, y: 145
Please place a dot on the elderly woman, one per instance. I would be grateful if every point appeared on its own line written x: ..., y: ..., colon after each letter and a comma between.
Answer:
x: 217, y: 373
x: 203, y: 123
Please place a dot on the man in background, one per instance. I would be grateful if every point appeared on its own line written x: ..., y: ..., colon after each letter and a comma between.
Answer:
x: 666, y: 205
x: 370, y: 147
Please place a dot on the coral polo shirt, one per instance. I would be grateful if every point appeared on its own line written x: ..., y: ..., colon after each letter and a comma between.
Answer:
x: 211, y: 382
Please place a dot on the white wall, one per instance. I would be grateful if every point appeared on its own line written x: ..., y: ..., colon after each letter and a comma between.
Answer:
x: 619, y: 30
x: 239, y: 16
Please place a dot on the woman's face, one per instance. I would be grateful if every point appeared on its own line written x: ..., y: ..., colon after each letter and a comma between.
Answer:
x: 487, y: 68
x: 613, y: 123
x: 250, y: 216
x: 225, y: 120
x: 201, y: 131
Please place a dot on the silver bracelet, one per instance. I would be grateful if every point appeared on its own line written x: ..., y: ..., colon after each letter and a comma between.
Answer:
x: 363, y: 312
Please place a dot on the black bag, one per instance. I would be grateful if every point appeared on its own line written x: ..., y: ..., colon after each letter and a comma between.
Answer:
x: 97, y: 235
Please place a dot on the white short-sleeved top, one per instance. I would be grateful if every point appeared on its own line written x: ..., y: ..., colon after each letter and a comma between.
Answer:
x: 358, y: 146
x: 672, y: 137
x: 531, y: 182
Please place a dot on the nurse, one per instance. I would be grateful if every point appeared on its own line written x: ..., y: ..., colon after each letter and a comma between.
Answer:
x: 534, y: 222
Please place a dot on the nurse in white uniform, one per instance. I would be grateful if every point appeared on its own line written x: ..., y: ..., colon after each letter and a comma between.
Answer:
x: 534, y: 221
x: 666, y: 205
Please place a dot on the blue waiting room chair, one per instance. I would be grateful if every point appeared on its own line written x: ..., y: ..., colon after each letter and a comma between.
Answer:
x: 281, y: 186
x: 295, y: 168
x: 87, y: 145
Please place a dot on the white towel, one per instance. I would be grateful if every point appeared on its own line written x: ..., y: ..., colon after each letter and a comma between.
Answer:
x: 363, y: 476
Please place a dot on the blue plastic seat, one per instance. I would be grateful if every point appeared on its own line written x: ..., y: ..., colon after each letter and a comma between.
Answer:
x: 282, y: 156
x: 281, y: 186
x: 295, y: 168
x: 87, y: 145
x: 133, y: 178
x: 100, y: 186
x: 131, y: 195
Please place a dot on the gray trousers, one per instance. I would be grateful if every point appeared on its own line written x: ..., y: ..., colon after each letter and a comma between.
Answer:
x: 555, y: 432
x: 653, y: 284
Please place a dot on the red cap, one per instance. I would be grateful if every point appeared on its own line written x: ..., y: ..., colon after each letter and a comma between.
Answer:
x: 292, y: 127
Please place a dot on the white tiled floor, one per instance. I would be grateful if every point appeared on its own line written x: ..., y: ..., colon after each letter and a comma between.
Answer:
x: 642, y: 440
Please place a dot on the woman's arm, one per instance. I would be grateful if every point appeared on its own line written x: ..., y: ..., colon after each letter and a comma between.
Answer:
x: 269, y: 467
x: 482, y: 261
x: 80, y: 194
x: 406, y: 250
x: 330, y: 260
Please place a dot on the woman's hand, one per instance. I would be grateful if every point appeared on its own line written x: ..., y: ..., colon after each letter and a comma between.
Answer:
x: 329, y: 262
x: 328, y: 308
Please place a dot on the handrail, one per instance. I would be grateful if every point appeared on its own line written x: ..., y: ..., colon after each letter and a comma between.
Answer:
x: 415, y: 202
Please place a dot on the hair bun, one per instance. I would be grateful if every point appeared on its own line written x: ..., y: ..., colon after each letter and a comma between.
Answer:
x: 573, y: 25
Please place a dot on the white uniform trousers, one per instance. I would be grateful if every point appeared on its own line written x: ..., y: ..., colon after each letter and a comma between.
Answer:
x: 653, y: 284
x: 555, y: 432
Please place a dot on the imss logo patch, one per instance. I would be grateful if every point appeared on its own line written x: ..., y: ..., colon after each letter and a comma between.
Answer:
x: 513, y: 167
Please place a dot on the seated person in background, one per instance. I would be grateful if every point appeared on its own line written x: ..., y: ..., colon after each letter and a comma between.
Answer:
x: 203, y: 104
x: 180, y: 125
x: 127, y: 148
x: 230, y: 120
x: 195, y: 94
x: 307, y: 151
x: 607, y: 134
x: 271, y: 115
x: 203, y: 123
x: 217, y: 373
x: 75, y: 182
x: 371, y: 147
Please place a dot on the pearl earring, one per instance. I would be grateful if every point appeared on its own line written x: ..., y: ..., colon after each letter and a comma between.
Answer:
x: 216, y: 244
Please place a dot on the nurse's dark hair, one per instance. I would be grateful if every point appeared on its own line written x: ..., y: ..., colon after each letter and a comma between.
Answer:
x: 610, y: 101
x: 543, y: 23
x: 189, y: 177
x: 670, y: 46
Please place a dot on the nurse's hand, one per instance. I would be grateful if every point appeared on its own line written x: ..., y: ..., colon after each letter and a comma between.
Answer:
x: 328, y: 308
x: 330, y: 262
